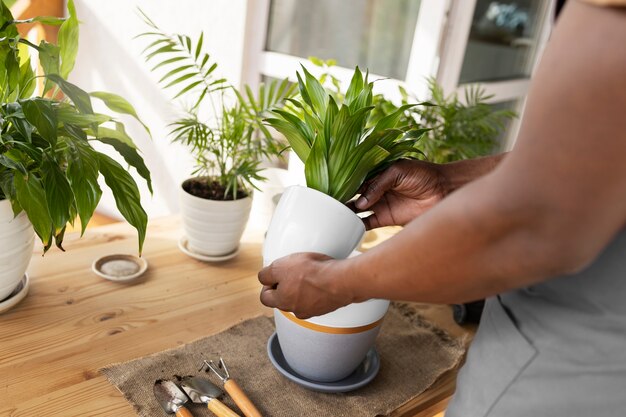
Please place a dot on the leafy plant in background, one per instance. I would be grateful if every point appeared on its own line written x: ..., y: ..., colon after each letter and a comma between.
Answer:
x: 48, y: 166
x: 460, y: 130
x: 457, y: 129
x: 339, y: 145
x: 229, y: 145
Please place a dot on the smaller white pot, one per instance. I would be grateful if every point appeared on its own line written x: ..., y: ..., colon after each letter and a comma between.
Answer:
x: 306, y: 220
x: 213, y: 227
x: 330, y: 347
x: 17, y: 239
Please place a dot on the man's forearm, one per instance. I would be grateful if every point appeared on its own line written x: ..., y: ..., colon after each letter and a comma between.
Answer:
x: 457, y: 174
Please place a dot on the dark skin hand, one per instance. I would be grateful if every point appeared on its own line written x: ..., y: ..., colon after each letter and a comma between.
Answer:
x: 396, y: 196
x: 408, y: 189
x: 547, y: 209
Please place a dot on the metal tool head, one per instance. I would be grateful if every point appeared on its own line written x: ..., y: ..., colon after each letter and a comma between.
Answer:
x: 200, y: 390
x: 220, y: 370
x: 169, y: 396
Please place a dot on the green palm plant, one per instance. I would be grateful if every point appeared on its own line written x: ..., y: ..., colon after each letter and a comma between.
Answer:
x: 460, y: 129
x: 48, y: 166
x: 339, y: 144
x: 229, y: 145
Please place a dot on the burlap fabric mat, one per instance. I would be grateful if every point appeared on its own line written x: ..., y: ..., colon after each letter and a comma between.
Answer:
x: 413, y: 354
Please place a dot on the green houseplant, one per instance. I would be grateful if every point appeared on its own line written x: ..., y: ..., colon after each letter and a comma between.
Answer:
x: 228, y: 144
x: 49, y: 169
x: 459, y: 129
x: 339, y: 144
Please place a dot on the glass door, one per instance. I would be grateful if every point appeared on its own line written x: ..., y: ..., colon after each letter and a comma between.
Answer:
x: 458, y: 42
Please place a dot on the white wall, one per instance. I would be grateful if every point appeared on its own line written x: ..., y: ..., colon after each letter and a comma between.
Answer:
x: 109, y: 59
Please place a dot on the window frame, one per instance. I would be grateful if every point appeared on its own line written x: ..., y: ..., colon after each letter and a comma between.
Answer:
x: 438, y: 50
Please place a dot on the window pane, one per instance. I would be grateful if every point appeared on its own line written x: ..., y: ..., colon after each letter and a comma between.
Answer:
x: 374, y: 34
x: 503, y: 40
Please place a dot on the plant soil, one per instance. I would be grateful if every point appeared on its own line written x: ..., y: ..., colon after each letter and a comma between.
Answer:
x: 209, y: 189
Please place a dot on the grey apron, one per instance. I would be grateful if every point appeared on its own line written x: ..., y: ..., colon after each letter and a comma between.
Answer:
x: 556, y: 349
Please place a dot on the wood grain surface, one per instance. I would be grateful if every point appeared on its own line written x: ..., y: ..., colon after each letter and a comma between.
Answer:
x: 73, y: 323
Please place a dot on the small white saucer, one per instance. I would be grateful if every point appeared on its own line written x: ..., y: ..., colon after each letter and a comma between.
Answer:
x: 119, y: 267
x: 183, y: 246
x: 17, y: 295
x: 362, y: 376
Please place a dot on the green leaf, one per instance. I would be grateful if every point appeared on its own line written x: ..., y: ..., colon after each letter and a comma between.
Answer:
x: 131, y: 156
x: 167, y: 61
x: 13, y: 165
x: 179, y: 80
x: 364, y: 165
x: 118, y: 134
x: 82, y: 173
x: 119, y: 104
x: 199, y: 45
x: 79, y: 97
x: 32, y: 197
x: 355, y: 87
x: 294, y: 136
x: 316, y: 167
x: 189, y: 87
x: 68, y: 114
x: 126, y: 195
x: 15, y: 115
x: 46, y: 20
x: 39, y: 113
x: 68, y: 41
x: 316, y: 93
x: 316, y: 61
x: 392, y: 119
x: 59, y: 196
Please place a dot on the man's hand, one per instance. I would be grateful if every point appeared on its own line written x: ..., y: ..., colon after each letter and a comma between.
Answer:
x: 401, y: 193
x: 303, y: 284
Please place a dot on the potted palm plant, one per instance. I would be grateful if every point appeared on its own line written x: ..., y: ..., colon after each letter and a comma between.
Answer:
x: 228, y: 145
x: 49, y: 169
x: 341, y: 145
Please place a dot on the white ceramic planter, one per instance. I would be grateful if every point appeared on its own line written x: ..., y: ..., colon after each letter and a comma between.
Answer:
x: 17, y: 239
x: 213, y: 227
x: 306, y: 220
x: 330, y: 347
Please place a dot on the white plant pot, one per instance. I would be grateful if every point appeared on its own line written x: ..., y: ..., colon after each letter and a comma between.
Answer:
x: 17, y: 239
x: 306, y: 220
x: 213, y: 227
x: 330, y: 347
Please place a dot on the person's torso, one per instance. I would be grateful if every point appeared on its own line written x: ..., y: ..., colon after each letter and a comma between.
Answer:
x: 553, y: 349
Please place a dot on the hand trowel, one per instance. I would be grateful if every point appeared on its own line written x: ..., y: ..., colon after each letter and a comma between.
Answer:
x: 204, y: 391
x: 171, y: 398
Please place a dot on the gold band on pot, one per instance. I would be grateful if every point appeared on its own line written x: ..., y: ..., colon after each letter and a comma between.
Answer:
x: 328, y: 329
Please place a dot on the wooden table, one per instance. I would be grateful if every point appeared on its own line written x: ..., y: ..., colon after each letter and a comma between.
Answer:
x: 73, y: 323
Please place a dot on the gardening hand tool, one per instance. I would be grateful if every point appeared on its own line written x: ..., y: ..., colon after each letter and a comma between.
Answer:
x: 204, y: 391
x: 233, y: 389
x: 171, y: 398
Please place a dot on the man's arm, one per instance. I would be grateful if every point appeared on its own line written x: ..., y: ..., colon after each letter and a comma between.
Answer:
x: 549, y: 208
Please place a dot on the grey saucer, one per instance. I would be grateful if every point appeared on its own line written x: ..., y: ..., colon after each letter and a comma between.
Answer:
x: 366, y: 371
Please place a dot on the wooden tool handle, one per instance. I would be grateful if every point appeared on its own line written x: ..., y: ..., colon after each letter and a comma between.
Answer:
x: 241, y: 399
x: 183, y: 412
x: 220, y: 409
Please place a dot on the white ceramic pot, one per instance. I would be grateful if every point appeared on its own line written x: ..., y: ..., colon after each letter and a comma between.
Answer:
x: 330, y: 347
x: 306, y: 220
x: 17, y: 239
x: 213, y: 227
